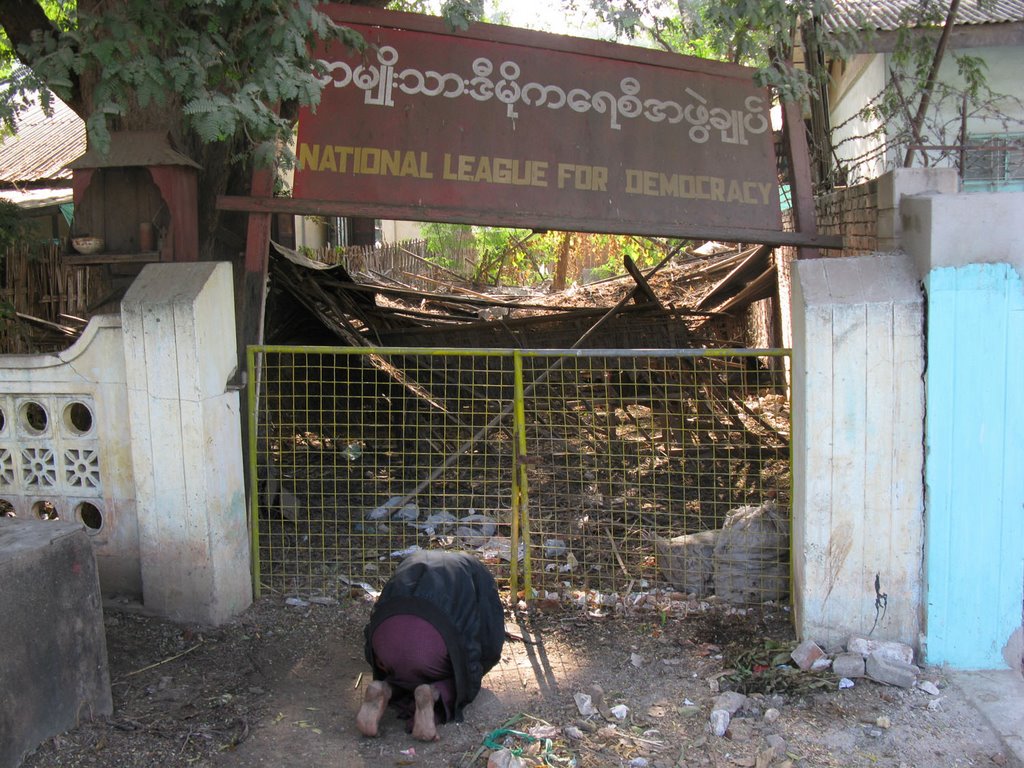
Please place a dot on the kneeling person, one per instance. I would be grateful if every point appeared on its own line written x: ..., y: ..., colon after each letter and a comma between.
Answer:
x: 436, y: 630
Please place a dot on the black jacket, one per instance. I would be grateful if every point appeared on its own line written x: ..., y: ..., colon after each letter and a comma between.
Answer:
x: 457, y: 594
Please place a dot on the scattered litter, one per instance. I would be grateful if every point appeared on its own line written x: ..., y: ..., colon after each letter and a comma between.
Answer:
x: 410, y: 752
x: 367, y: 588
x: 406, y: 552
x: 928, y: 687
x: 477, y: 530
x: 554, y: 548
x: 385, y: 510
x: 572, y: 732
x: 408, y: 513
x: 436, y: 522
x: 845, y: 682
x: 719, y: 721
x: 298, y: 602
x: 621, y: 711
x: 500, y: 547
x: 543, y: 731
x: 584, y: 704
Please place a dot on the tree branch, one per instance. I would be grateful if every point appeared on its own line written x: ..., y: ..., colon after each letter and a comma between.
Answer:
x: 24, y: 21
x: 926, y: 97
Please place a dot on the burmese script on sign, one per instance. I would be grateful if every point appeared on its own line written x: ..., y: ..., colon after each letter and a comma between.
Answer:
x: 494, y: 125
x: 483, y: 169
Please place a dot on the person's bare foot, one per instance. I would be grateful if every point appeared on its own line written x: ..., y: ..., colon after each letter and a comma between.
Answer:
x: 424, y: 726
x: 378, y: 693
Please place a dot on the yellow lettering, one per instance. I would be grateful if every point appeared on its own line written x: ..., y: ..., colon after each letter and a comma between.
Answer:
x: 411, y: 168
x: 717, y: 188
x: 483, y: 170
x: 309, y: 157
x: 592, y: 178
x: 390, y: 163
x: 448, y: 174
x: 505, y: 170
x: 735, y: 194
x: 537, y: 177
x: 344, y: 153
x: 327, y: 160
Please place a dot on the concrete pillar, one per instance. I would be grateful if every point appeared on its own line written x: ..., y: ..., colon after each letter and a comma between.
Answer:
x: 179, y: 338
x: 858, y: 419
x: 53, y: 668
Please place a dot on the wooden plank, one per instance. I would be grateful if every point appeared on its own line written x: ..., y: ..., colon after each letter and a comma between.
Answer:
x: 754, y: 264
x: 84, y: 260
x: 686, y: 229
x: 643, y: 288
x: 761, y: 287
x: 801, y: 189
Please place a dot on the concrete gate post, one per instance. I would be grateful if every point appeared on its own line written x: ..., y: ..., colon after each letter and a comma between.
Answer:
x: 858, y: 421
x: 183, y: 422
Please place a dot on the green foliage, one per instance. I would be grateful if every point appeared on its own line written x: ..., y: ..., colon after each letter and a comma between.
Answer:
x: 13, y: 228
x: 225, y: 65
x: 755, y: 33
x: 500, y: 256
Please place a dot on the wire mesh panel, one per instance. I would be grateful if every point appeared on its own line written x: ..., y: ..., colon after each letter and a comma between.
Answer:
x: 648, y: 468
x: 563, y: 470
x: 360, y: 456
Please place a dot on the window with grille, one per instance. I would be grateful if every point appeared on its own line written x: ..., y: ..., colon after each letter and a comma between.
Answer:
x: 995, y: 163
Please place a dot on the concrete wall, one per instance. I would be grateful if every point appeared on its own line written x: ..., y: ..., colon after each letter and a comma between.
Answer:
x: 62, y: 452
x: 133, y: 433
x: 867, y: 215
x: 858, y: 411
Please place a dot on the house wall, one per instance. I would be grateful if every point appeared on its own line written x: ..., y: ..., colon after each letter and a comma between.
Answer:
x: 864, y: 79
x: 853, y: 135
x: 133, y: 433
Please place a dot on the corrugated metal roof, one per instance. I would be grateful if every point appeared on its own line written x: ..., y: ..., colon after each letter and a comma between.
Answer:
x: 43, y: 146
x: 888, y: 15
x: 37, y: 197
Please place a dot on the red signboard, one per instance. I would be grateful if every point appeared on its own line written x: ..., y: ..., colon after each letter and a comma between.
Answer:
x: 504, y: 126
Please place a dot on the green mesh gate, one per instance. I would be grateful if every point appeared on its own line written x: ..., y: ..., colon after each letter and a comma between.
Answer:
x: 562, y: 469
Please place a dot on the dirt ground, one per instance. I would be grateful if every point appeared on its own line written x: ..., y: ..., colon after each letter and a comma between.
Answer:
x: 280, y: 686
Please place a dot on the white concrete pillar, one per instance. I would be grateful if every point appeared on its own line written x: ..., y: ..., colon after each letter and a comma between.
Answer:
x: 858, y: 421
x: 183, y: 424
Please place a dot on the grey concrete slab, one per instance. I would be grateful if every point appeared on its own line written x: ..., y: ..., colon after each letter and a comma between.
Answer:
x: 999, y: 696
